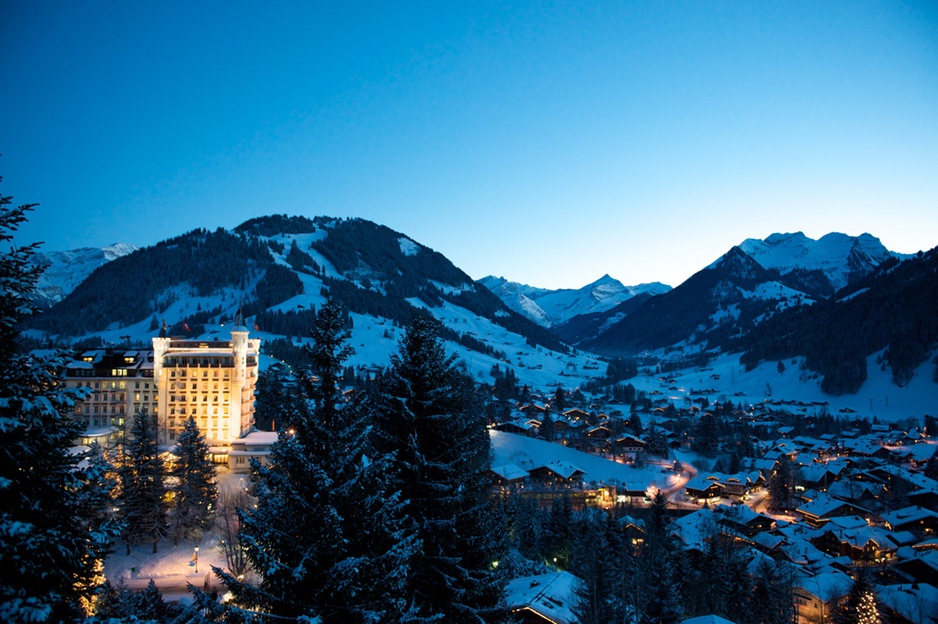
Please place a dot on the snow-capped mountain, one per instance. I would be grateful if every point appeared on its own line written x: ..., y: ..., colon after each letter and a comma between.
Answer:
x: 64, y: 270
x: 550, y: 308
x: 735, y: 293
x: 842, y: 259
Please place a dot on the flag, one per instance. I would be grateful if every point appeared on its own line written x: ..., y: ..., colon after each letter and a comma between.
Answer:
x: 185, y: 327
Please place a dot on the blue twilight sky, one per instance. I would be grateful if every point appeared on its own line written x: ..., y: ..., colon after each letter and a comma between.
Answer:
x: 546, y: 142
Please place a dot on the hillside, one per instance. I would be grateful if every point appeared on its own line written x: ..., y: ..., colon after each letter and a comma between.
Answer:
x: 892, y: 310
x: 279, y: 270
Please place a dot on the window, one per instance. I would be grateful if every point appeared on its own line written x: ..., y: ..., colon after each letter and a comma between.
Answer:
x: 137, y: 385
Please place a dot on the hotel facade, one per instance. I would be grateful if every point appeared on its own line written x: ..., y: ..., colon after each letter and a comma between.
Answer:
x: 211, y: 380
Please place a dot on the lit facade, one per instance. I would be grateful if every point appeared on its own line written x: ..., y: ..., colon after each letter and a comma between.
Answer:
x: 121, y: 384
x: 211, y: 380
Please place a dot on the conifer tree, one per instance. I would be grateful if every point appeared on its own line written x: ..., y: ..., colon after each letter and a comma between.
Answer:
x: 194, y: 476
x: 142, y: 500
x: 328, y: 536
x: 428, y: 421
x: 55, y: 528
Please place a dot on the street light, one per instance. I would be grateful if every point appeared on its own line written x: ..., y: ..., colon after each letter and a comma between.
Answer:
x: 196, y: 557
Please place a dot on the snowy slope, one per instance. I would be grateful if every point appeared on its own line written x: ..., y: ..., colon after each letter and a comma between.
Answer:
x: 554, y: 307
x: 67, y: 269
x: 841, y: 258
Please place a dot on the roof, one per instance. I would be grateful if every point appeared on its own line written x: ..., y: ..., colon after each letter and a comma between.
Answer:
x: 827, y: 585
x: 907, y: 515
x: 510, y: 472
x: 551, y: 595
x: 914, y: 602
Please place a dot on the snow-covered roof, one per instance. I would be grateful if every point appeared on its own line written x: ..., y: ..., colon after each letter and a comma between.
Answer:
x: 827, y: 585
x: 907, y: 515
x: 915, y: 602
x: 552, y: 596
x: 510, y: 472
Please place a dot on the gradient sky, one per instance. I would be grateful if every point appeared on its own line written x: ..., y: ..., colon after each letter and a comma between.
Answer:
x: 546, y: 142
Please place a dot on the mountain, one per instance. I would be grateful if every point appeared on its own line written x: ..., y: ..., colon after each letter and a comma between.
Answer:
x: 550, y: 308
x: 723, y: 299
x: 748, y: 284
x: 889, y: 314
x: 279, y: 269
x: 64, y: 270
x: 825, y: 265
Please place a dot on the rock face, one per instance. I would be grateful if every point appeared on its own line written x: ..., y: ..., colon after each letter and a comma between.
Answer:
x: 65, y: 270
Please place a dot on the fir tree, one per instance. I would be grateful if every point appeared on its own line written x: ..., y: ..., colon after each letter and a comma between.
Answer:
x: 328, y: 536
x: 194, y: 476
x: 142, y: 500
x: 54, y: 526
x: 428, y: 421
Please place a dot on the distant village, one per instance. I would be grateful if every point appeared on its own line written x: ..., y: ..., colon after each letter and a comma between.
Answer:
x: 830, y: 494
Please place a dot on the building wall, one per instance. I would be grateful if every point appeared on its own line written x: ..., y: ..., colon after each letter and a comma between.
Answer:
x: 213, y: 381
x: 120, y: 383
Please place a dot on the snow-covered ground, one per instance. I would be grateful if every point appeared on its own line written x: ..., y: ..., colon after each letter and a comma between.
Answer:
x: 729, y: 380
x: 173, y: 566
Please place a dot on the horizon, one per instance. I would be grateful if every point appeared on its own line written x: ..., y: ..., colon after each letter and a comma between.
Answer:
x: 546, y: 144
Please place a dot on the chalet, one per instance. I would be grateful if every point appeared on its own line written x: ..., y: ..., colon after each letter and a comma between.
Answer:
x: 744, y: 520
x: 576, y: 414
x: 517, y: 426
x: 703, y: 490
x: 822, y: 509
x: 255, y: 445
x: 820, y: 475
x: 915, y: 603
x: 816, y: 596
x: 601, y: 433
x: 864, y: 493
x: 557, y: 472
x: 921, y: 568
x: 544, y: 599
x: 508, y: 475
x: 630, y: 444
x: 918, y: 520
x: 853, y: 537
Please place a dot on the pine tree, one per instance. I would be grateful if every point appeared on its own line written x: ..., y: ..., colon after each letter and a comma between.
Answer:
x: 142, y: 500
x: 194, y: 476
x: 54, y: 525
x: 328, y: 536
x: 438, y: 438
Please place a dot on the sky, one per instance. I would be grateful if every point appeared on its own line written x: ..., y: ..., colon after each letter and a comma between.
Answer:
x: 549, y: 143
